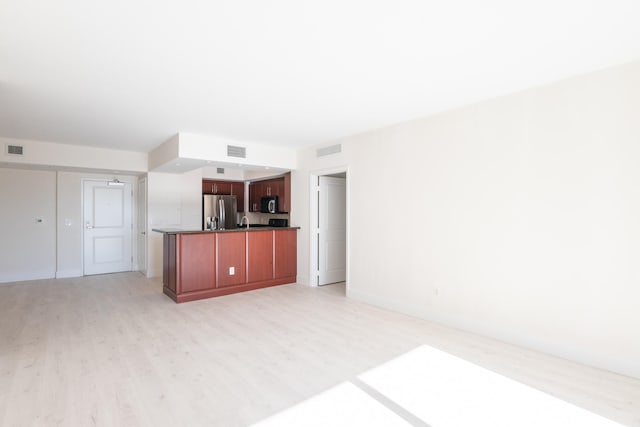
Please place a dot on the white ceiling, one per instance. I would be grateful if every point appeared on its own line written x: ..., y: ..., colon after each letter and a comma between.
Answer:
x: 130, y: 74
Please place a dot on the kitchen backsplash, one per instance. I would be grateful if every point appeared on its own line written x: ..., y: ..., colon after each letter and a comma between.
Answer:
x: 260, y: 218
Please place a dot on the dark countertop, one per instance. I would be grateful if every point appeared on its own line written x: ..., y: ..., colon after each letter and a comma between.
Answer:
x: 233, y: 230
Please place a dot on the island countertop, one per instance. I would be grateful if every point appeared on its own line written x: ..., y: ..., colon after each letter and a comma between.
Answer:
x: 231, y: 230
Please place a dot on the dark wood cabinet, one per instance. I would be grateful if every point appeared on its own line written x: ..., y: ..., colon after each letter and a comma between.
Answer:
x: 285, y: 254
x: 189, y: 266
x: 259, y: 256
x: 196, y: 268
x: 210, y: 186
x: 230, y: 259
x: 199, y: 265
x: 255, y: 193
x: 285, y: 196
x: 237, y: 189
x: 280, y: 187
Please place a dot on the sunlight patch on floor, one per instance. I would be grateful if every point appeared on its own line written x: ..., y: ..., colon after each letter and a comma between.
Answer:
x: 342, y: 405
x: 440, y: 390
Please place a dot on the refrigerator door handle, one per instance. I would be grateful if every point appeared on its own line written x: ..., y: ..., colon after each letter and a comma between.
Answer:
x: 223, y: 220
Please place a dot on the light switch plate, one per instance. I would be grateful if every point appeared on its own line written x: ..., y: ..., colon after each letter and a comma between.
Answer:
x: 232, y: 271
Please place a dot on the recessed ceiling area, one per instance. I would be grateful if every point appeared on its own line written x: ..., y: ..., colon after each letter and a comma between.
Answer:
x: 129, y: 75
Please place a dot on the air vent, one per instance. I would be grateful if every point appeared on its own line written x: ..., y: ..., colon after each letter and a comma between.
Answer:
x: 235, y: 151
x: 325, y: 151
x: 16, y: 150
x: 220, y: 170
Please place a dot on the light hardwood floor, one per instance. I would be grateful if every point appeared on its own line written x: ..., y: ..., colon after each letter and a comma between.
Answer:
x: 112, y: 350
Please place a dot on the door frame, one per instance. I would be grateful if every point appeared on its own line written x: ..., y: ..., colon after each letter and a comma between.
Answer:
x: 313, y: 222
x: 139, y: 205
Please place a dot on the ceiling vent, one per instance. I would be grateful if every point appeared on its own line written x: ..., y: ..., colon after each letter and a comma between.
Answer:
x: 220, y: 170
x: 325, y: 151
x: 235, y: 151
x: 16, y: 150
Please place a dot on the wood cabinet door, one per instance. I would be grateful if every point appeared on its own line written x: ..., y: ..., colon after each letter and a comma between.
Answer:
x: 259, y: 256
x: 210, y: 186
x: 237, y: 189
x: 276, y: 188
x: 255, y: 193
x: 222, y: 187
x: 230, y: 258
x: 207, y: 186
x: 285, y: 201
x: 196, y: 262
x: 285, y: 253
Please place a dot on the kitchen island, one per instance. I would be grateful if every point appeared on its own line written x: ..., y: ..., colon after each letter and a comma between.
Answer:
x: 203, y: 264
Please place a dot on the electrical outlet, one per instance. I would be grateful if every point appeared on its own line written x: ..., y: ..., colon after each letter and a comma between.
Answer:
x: 232, y: 271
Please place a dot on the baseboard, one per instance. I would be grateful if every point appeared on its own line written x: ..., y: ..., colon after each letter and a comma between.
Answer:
x: 388, y: 303
x: 615, y: 363
x: 63, y: 274
x: 22, y: 277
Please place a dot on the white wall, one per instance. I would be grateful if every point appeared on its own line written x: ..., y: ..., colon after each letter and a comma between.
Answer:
x: 183, y: 152
x: 521, y: 217
x: 70, y: 216
x: 215, y: 149
x: 49, y: 154
x: 229, y: 174
x: 173, y: 201
x: 53, y: 248
x: 28, y: 249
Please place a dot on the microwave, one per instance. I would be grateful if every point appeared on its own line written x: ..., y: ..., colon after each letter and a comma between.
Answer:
x: 269, y: 204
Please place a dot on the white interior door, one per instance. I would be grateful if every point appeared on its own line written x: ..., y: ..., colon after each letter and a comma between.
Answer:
x: 332, y: 230
x: 142, y: 225
x: 107, y: 227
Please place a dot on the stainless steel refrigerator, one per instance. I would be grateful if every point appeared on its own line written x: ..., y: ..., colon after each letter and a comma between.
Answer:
x: 219, y: 212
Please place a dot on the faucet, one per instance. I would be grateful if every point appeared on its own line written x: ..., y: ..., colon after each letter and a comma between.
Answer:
x: 243, y: 218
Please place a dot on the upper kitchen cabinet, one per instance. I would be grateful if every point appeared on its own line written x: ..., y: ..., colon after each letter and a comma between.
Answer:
x: 237, y: 189
x: 279, y: 186
x: 255, y: 192
x: 216, y: 187
x: 225, y: 188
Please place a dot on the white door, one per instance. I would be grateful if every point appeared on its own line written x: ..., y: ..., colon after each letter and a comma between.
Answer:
x: 107, y: 227
x: 142, y: 226
x: 332, y: 230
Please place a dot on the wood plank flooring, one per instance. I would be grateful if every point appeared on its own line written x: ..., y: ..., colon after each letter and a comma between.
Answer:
x: 113, y: 350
